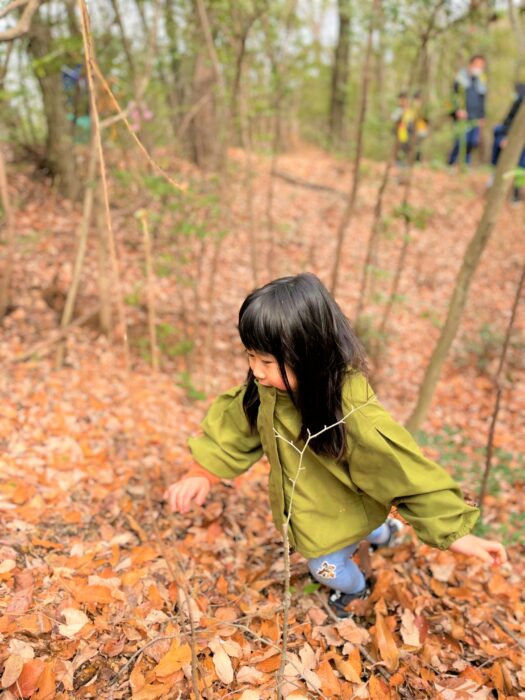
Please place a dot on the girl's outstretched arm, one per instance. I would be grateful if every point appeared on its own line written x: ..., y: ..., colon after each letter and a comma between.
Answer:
x: 487, y: 550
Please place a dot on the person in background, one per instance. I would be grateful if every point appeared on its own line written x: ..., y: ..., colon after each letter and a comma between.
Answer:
x: 420, y: 123
x: 468, y: 108
x: 500, y: 138
x: 403, y: 119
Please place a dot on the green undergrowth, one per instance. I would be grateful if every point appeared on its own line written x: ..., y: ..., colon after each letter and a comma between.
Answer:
x: 506, y: 479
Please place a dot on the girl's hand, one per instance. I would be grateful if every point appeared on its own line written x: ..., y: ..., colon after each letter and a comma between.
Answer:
x: 181, y: 494
x: 487, y: 550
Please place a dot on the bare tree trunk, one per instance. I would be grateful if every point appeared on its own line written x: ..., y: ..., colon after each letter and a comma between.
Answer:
x: 499, y: 390
x: 371, y: 253
x: 59, y: 151
x: 104, y: 278
x: 82, y: 236
x: 508, y: 159
x: 125, y: 43
x: 518, y: 27
x: 349, y: 209
x: 407, y: 222
x: 150, y: 280
x: 340, y: 72
x: 5, y: 280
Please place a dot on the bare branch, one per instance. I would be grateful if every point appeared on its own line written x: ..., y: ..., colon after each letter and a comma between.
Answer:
x: 23, y: 24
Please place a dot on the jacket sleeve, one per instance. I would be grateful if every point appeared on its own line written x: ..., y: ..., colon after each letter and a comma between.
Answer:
x: 387, y: 464
x: 227, y: 446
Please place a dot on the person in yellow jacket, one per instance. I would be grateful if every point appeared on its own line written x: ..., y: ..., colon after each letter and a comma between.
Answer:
x: 307, y: 383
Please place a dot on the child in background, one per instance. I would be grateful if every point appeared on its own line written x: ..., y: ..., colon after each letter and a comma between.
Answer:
x: 403, y: 117
x: 307, y: 370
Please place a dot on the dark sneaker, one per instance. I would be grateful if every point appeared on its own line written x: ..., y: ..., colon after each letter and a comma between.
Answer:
x: 395, y: 527
x: 339, y: 601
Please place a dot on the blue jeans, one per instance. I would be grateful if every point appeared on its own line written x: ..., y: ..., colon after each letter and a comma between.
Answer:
x: 338, y: 571
x: 470, y: 139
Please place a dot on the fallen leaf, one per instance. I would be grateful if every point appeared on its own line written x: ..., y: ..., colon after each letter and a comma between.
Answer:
x: 173, y: 660
x: 30, y: 676
x: 221, y: 661
x: 248, y: 674
x: 75, y: 621
x: 409, y: 630
x: 330, y: 685
x: 385, y: 643
x: 12, y: 669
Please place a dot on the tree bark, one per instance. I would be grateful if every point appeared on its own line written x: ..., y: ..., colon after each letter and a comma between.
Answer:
x: 5, y: 280
x: 82, y: 237
x: 508, y: 160
x: 349, y: 209
x: 59, y: 145
x: 340, y: 72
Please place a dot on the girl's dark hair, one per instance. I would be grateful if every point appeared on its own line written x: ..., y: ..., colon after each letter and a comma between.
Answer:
x: 296, y: 320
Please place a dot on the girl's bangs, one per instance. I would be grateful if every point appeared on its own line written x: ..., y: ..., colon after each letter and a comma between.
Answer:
x: 260, y: 330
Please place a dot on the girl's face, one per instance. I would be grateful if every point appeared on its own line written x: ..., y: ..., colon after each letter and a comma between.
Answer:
x: 265, y: 368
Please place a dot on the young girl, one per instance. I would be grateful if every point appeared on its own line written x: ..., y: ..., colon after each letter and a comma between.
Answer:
x: 307, y: 370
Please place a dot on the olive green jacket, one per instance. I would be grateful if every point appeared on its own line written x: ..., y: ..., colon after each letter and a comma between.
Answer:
x: 335, y: 503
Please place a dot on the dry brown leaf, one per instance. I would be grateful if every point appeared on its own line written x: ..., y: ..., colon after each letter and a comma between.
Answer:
x: 351, y: 668
x: 12, y: 669
x: 153, y: 691
x: 385, y: 643
x: 177, y: 655
x: 248, y: 674
x: 409, y: 630
x: 29, y: 678
x: 221, y: 661
x: 352, y: 633
x: 378, y: 689
x: 330, y: 685
x: 75, y: 621
x: 46, y: 683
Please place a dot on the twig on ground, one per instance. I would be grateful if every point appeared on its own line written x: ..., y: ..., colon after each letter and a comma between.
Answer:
x: 508, y: 631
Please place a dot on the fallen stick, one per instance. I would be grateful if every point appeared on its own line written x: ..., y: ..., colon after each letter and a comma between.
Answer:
x: 310, y: 185
x: 508, y: 631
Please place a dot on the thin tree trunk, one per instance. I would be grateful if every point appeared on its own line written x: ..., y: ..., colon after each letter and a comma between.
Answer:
x: 340, y: 72
x: 371, y: 253
x: 5, y: 280
x: 508, y: 160
x: 150, y: 280
x: 82, y: 236
x: 407, y: 224
x: 125, y: 42
x: 499, y: 391
x: 349, y: 209
x: 104, y: 281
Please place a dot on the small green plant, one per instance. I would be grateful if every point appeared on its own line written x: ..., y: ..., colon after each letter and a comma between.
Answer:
x: 134, y: 297
x: 485, y: 348
x: 186, y: 382
x: 507, y: 475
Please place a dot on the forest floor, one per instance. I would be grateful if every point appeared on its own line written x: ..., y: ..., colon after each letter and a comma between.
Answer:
x: 94, y: 571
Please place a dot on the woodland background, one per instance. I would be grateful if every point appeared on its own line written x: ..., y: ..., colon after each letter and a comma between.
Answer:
x: 208, y: 147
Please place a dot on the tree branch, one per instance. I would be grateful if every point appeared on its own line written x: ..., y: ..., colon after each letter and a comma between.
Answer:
x: 23, y: 24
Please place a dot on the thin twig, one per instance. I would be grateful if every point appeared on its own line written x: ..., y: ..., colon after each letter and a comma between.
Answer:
x: 508, y: 631
x: 287, y: 593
